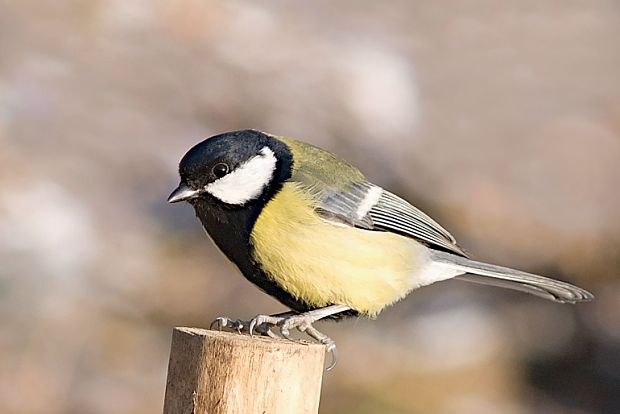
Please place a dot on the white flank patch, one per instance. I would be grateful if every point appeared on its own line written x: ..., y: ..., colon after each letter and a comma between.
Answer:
x: 369, y: 201
x: 247, y: 181
x: 434, y: 272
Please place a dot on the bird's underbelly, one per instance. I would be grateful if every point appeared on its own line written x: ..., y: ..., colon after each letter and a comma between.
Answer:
x: 323, y: 263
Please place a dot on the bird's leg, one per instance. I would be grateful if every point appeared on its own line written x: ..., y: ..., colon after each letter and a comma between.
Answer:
x: 303, y: 323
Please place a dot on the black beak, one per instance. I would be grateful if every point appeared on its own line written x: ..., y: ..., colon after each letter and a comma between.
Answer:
x: 182, y: 193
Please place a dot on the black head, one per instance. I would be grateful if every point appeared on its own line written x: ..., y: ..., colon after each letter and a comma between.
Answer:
x: 234, y: 169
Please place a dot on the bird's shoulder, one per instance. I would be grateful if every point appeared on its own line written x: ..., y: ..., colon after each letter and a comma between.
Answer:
x: 314, y: 166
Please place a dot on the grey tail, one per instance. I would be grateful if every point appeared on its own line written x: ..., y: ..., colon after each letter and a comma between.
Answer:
x: 488, y: 274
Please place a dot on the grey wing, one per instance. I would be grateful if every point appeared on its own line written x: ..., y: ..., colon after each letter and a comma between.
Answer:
x: 368, y: 206
x: 392, y: 213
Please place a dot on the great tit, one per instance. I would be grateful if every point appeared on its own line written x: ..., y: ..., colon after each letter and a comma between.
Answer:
x: 310, y: 230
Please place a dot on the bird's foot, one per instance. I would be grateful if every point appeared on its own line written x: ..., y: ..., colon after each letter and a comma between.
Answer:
x: 241, y: 326
x: 303, y: 323
x: 285, y: 322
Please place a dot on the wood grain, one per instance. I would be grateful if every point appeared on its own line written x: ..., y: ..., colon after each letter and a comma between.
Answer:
x: 222, y: 373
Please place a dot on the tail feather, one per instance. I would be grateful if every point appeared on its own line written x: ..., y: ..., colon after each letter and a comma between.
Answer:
x: 505, y: 277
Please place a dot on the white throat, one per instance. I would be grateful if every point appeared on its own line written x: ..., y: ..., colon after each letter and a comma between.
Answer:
x: 247, y: 181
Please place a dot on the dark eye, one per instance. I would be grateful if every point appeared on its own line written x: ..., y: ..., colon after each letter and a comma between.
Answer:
x: 220, y: 170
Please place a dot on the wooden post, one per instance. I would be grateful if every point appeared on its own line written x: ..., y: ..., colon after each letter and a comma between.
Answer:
x: 212, y: 372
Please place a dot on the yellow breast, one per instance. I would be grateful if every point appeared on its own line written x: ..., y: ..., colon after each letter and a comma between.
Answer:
x: 323, y: 263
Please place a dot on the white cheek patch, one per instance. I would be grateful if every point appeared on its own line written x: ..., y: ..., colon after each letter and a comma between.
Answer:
x: 247, y: 181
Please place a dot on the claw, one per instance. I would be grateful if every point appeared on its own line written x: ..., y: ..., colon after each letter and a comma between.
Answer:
x: 220, y: 322
x: 252, y: 326
x: 334, y: 351
x: 225, y: 322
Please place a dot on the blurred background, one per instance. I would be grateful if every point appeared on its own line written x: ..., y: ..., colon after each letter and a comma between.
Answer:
x: 500, y: 119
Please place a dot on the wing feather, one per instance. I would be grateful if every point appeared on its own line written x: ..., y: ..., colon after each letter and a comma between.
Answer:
x: 389, y: 213
x: 392, y: 213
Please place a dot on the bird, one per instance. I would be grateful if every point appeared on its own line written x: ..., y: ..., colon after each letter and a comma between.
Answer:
x: 307, y: 228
